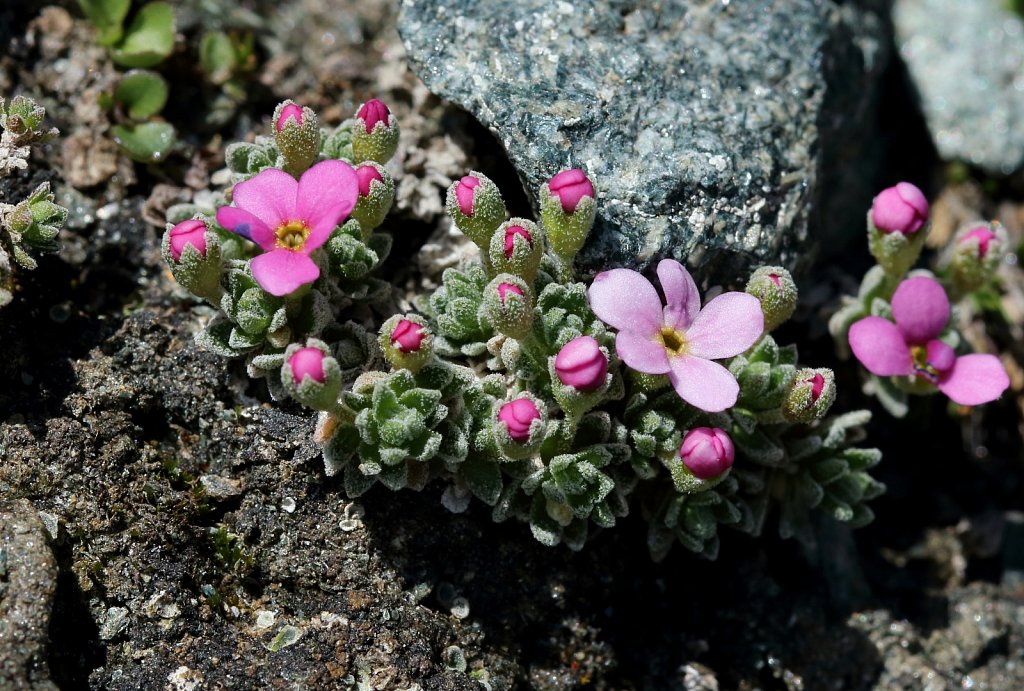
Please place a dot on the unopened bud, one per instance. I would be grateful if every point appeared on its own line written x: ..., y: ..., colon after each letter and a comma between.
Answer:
x: 567, y: 209
x: 376, y: 194
x: 476, y: 207
x: 375, y: 135
x: 774, y: 287
x: 517, y: 248
x: 977, y: 253
x: 519, y: 426
x: 407, y: 342
x: 508, y: 303
x: 897, y: 227
x: 810, y: 396
x: 193, y: 253
x: 311, y: 376
x: 297, y: 135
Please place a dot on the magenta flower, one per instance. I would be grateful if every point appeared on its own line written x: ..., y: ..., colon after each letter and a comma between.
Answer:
x: 289, y: 112
x: 581, y: 364
x: 464, y: 193
x: 372, y: 112
x: 510, y: 236
x: 186, y: 233
x: 910, y: 347
x: 902, y: 208
x: 367, y: 175
x: 290, y: 219
x: 518, y: 415
x: 570, y: 186
x: 307, y: 362
x: 407, y: 336
x: 678, y: 339
x: 707, y: 452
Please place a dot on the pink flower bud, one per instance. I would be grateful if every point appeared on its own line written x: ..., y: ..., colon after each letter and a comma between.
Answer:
x: 307, y: 362
x: 517, y: 416
x: 407, y: 336
x: 900, y: 209
x: 570, y: 186
x: 983, y: 235
x: 707, y: 452
x: 506, y: 288
x: 289, y: 112
x: 464, y: 194
x: 191, y: 232
x: 817, y: 383
x: 510, y: 235
x: 372, y: 112
x: 366, y: 175
x: 581, y: 364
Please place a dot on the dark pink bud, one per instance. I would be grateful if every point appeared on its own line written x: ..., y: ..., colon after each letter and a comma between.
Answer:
x: 191, y: 232
x: 983, y: 235
x: 707, y: 452
x: 900, y: 209
x: 289, y: 112
x: 307, y: 362
x: 570, y: 186
x: 366, y: 175
x: 510, y: 235
x: 372, y: 112
x: 517, y: 416
x: 817, y: 383
x: 464, y: 194
x: 407, y: 336
x: 776, y: 280
x: 581, y: 364
x: 506, y: 288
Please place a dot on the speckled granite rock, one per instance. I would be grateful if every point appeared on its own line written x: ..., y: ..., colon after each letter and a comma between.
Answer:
x: 966, y: 60
x: 713, y: 130
x: 28, y: 578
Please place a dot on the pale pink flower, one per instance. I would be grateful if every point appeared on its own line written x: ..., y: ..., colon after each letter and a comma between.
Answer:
x: 910, y: 347
x: 290, y: 219
x: 678, y: 339
x: 581, y: 364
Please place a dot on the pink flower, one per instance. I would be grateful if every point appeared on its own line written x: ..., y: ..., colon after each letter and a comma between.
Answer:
x: 510, y: 235
x: 407, y: 336
x: 518, y: 415
x: 188, y: 233
x: 289, y: 112
x: 679, y: 339
x: 900, y: 209
x: 290, y: 219
x: 570, y: 186
x: 307, y: 362
x: 372, y: 112
x: 367, y: 175
x: 581, y: 364
x: 910, y: 347
x: 983, y: 235
x: 707, y: 452
x: 464, y: 193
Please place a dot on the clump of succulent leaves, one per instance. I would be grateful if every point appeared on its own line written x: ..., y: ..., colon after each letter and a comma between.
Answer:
x: 137, y: 39
x: 28, y: 226
x: 899, y: 324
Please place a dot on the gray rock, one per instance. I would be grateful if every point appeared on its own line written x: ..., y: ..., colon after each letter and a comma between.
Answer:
x: 711, y: 129
x: 966, y: 60
x: 28, y: 578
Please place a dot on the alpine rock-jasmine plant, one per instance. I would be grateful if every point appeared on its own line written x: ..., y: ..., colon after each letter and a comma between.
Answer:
x: 898, y: 326
x: 557, y: 403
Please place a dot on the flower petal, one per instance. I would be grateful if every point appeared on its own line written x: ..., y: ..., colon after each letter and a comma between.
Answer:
x: 703, y: 384
x: 270, y: 196
x: 681, y: 295
x: 626, y: 301
x: 727, y: 326
x: 641, y: 353
x: 975, y: 379
x: 243, y: 223
x: 880, y: 347
x: 920, y: 308
x: 327, y: 193
x: 282, y: 271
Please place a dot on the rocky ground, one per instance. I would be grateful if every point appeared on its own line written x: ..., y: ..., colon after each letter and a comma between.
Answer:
x: 162, y: 526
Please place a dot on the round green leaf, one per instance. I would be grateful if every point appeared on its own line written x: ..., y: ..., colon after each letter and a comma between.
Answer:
x: 217, y: 56
x: 148, y: 39
x: 108, y: 18
x: 142, y: 93
x: 147, y: 142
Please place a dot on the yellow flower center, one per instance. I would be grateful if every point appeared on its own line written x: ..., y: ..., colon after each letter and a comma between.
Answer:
x: 674, y: 341
x: 292, y: 235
